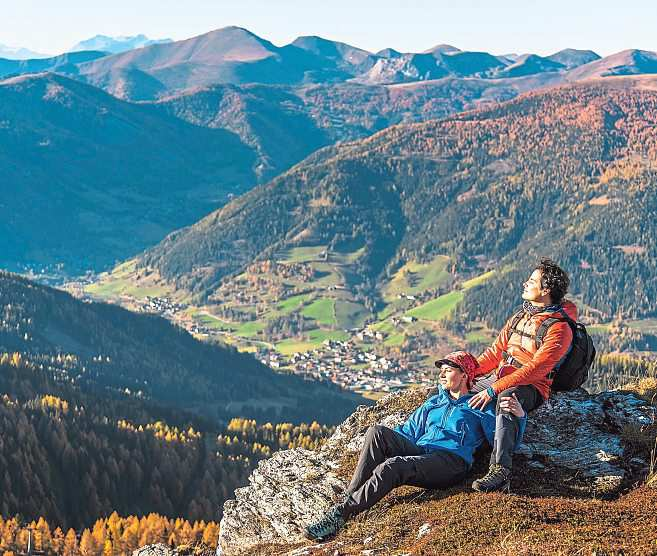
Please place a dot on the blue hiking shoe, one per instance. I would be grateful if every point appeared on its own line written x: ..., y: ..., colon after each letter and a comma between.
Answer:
x: 330, y: 523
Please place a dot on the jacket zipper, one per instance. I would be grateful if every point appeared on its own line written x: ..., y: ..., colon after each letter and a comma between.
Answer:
x: 447, y: 414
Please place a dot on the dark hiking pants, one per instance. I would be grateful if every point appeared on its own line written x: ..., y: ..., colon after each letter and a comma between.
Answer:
x: 388, y: 460
x: 507, y: 424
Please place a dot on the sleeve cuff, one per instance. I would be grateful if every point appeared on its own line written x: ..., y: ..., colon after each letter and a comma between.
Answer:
x: 491, y: 392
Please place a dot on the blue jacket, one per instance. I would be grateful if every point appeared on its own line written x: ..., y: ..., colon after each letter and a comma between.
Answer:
x: 445, y: 423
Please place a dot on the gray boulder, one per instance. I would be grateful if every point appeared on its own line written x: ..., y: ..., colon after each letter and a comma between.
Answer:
x: 574, y: 436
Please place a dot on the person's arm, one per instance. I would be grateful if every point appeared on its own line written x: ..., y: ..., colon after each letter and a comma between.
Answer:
x: 488, y: 361
x: 491, y: 357
x: 555, y: 346
x: 414, y: 427
x: 508, y: 404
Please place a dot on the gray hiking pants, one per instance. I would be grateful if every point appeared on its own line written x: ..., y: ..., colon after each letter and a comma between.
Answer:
x: 507, y: 424
x: 388, y: 460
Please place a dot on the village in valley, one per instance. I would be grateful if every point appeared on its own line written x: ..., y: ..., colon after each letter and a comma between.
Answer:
x: 296, y: 316
x: 349, y: 366
x: 352, y: 363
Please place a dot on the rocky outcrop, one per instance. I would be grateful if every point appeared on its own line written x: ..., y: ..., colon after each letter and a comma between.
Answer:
x: 161, y: 549
x: 574, y: 436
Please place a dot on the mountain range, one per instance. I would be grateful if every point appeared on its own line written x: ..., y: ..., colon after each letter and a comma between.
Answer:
x: 226, y: 134
x: 195, y: 149
x: 116, y: 44
x: 233, y: 55
x: 19, y: 53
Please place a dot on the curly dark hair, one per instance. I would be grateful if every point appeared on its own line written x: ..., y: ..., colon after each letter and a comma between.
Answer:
x: 554, y: 278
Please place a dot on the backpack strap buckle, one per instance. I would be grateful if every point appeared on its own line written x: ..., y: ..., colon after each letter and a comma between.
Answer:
x: 508, y: 359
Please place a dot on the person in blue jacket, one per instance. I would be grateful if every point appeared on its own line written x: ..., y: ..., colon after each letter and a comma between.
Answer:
x: 433, y: 449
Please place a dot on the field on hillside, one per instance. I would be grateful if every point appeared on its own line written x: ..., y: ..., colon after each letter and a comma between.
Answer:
x: 306, y: 287
x: 304, y: 298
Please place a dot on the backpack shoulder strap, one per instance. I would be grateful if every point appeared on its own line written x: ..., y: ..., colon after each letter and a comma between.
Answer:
x: 516, y: 319
x: 513, y: 328
x: 547, y: 323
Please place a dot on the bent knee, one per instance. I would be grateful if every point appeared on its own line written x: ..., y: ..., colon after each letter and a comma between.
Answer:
x: 507, y: 392
x: 396, y: 466
x: 375, y: 429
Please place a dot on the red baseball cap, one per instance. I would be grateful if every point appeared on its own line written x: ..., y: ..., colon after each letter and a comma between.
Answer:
x: 464, y: 360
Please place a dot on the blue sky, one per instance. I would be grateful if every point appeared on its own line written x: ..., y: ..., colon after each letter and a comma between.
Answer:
x: 52, y: 26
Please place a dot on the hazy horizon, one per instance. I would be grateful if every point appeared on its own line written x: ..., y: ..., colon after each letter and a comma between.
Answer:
x: 512, y: 27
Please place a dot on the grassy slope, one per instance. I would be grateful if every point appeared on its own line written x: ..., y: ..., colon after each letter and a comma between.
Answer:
x: 438, y: 308
x: 414, y: 278
x: 322, y: 311
x: 332, y: 310
x: 463, y: 522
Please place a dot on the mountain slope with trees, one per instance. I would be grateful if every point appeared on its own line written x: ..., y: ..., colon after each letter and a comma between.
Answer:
x: 72, y: 454
x: 475, y: 187
x: 111, y: 350
x: 88, y: 178
x: 59, y: 138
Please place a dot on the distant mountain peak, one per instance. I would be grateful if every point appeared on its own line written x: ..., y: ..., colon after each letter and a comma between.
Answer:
x: 235, y: 31
x: 19, y: 53
x: 442, y: 49
x: 344, y: 55
x: 626, y: 62
x: 389, y: 53
x: 572, y: 57
x: 116, y: 45
x: 530, y: 64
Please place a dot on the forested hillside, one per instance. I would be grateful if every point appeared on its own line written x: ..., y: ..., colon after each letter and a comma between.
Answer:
x: 92, y: 179
x: 566, y: 172
x: 60, y: 137
x: 284, y: 124
x: 109, y: 350
x: 72, y: 456
x: 103, y: 410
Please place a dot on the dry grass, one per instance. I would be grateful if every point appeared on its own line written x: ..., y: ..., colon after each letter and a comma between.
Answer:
x: 472, y: 523
x: 410, y: 401
x: 195, y: 549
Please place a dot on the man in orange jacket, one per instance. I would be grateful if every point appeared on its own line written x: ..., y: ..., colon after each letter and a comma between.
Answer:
x: 514, y: 366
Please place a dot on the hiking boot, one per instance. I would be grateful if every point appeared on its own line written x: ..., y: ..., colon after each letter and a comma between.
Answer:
x: 498, y: 478
x: 330, y: 523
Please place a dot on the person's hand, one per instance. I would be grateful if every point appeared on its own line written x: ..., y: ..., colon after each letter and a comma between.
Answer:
x: 512, y: 405
x: 480, y: 400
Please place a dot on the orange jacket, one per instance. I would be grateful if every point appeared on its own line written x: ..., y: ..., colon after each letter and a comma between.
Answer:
x: 536, y: 364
